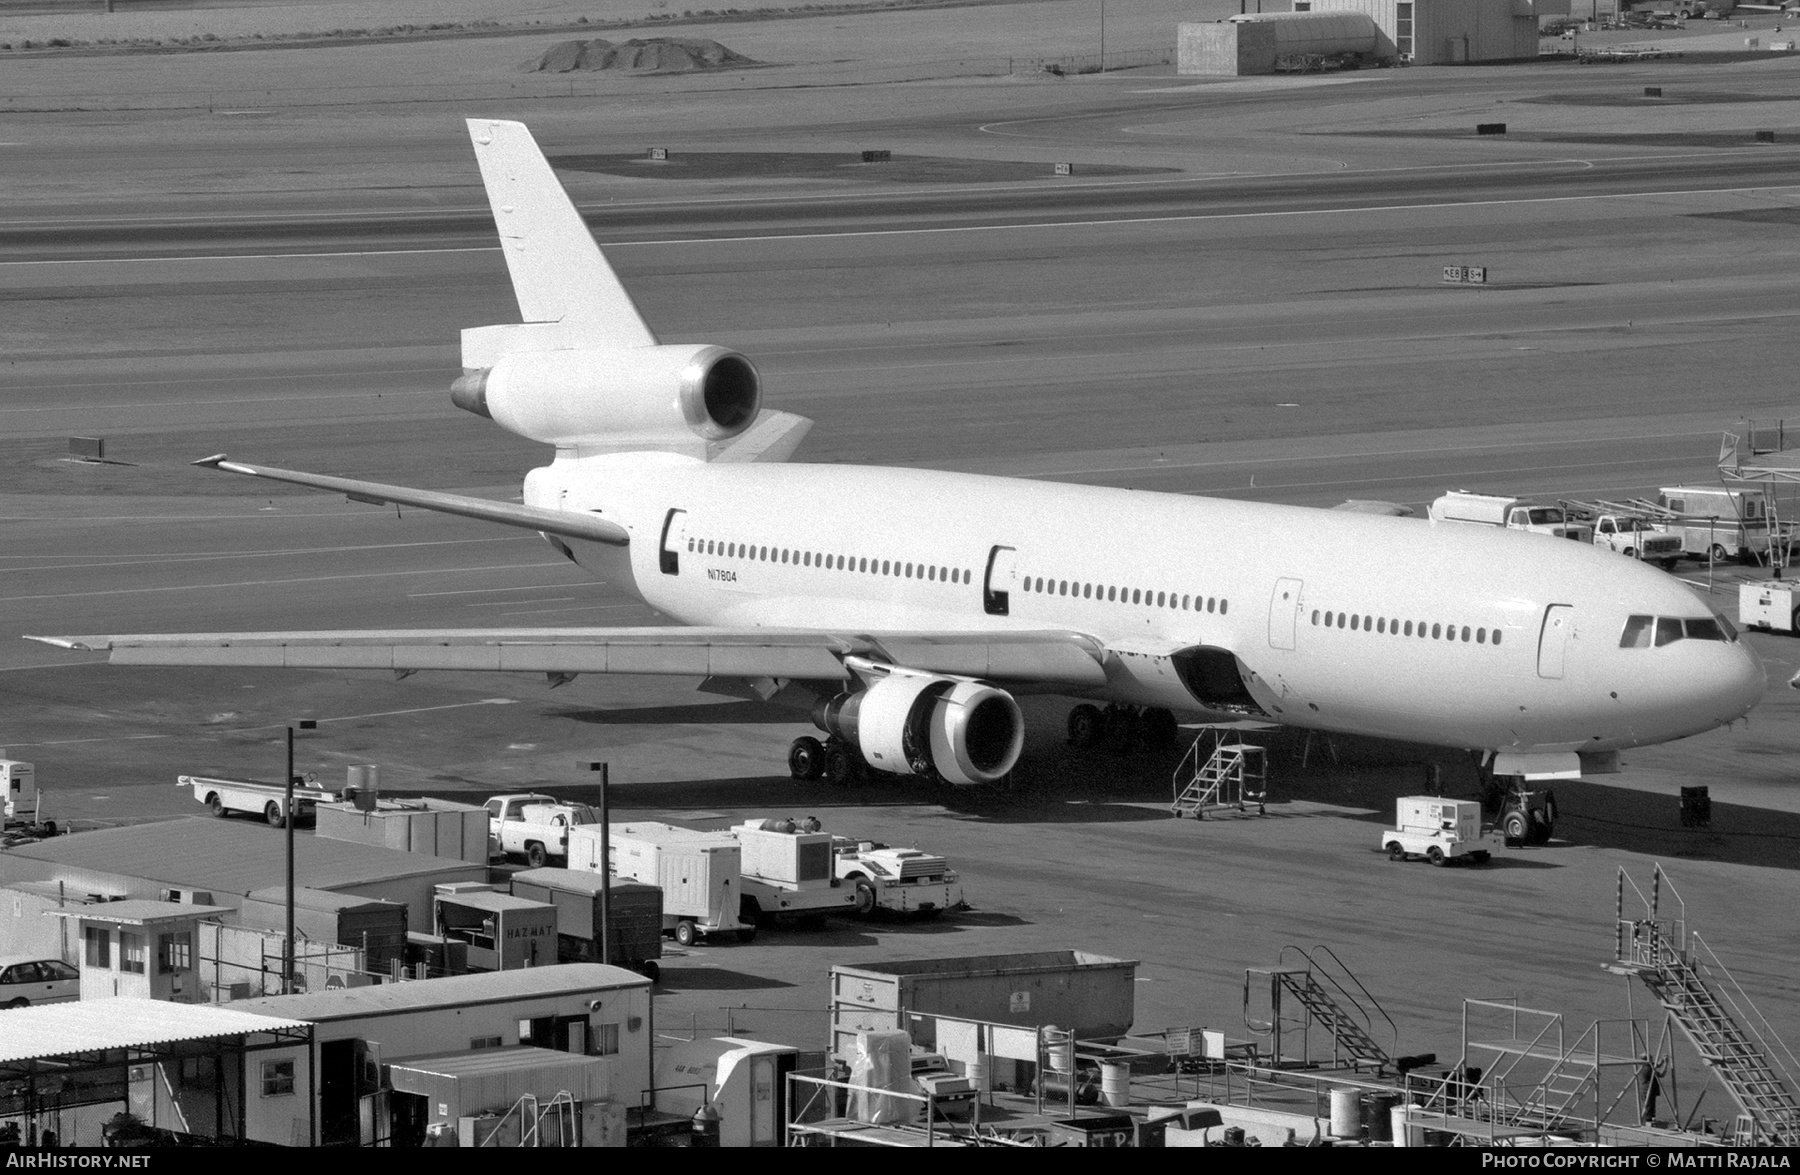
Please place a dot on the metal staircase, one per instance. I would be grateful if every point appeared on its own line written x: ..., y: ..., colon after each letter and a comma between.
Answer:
x: 1662, y: 954
x: 1233, y: 775
x: 1325, y: 999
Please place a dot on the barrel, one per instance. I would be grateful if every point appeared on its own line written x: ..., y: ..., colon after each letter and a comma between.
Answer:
x: 976, y: 1070
x: 1346, y: 1113
x: 1115, y: 1083
x: 1378, y: 1115
x: 1056, y: 1048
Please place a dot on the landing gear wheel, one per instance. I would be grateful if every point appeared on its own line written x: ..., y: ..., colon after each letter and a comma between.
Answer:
x: 1435, y: 855
x: 1395, y: 852
x: 215, y: 805
x: 272, y: 814
x: 806, y: 758
x: 1085, y: 725
x: 843, y: 766
x: 865, y: 899
x: 535, y: 855
x: 684, y: 933
x: 1515, y: 827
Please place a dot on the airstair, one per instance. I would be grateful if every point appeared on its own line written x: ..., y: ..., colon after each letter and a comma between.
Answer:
x: 1328, y: 995
x: 1220, y: 771
x: 1712, y: 1011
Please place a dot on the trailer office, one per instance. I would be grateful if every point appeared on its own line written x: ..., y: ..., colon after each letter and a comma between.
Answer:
x: 584, y: 1008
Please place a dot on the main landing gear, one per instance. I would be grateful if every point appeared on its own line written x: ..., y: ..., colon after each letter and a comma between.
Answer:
x: 1525, y: 815
x: 1121, y: 728
x: 834, y: 760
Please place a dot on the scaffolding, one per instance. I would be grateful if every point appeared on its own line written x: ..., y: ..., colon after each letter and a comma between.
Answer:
x: 1220, y: 771
x: 1328, y: 995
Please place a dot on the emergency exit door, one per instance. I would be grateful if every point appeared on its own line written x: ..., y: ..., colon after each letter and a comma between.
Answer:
x: 1553, y: 641
x: 996, y: 585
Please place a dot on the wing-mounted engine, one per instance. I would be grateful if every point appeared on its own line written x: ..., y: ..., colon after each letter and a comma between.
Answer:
x: 673, y: 396
x: 958, y: 729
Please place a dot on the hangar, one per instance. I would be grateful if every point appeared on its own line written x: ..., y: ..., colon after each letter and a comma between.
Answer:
x: 1417, y: 32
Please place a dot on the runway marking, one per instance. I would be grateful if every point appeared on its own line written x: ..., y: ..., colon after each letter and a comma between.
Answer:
x: 383, y: 714
x: 861, y: 234
x: 584, y: 608
x: 207, y: 587
x: 183, y: 558
x: 160, y: 404
x: 69, y: 742
x: 542, y: 587
x: 511, y: 603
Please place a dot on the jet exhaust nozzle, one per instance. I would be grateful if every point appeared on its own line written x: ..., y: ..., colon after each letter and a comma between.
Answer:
x: 469, y: 391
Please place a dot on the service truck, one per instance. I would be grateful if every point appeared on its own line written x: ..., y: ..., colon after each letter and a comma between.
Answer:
x: 788, y: 871
x: 534, y: 827
x: 699, y: 874
x: 268, y: 800
x: 22, y: 805
x: 1718, y: 523
x: 1638, y: 538
x: 1461, y: 506
x: 1438, y: 830
x: 1772, y: 605
x: 900, y: 881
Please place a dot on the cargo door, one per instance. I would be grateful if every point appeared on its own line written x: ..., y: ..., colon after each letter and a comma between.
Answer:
x: 1284, y: 607
x: 1554, y: 640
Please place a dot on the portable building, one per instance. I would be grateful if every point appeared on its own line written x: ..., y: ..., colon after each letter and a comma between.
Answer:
x: 358, y: 1033
x: 503, y: 932
x: 141, y: 950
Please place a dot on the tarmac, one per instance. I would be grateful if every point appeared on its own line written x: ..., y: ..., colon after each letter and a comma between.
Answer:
x: 1256, y: 309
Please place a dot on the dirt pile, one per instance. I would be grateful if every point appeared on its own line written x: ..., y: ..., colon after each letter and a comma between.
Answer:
x: 654, y: 55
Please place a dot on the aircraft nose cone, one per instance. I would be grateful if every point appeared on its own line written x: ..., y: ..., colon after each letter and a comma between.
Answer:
x: 1745, y: 681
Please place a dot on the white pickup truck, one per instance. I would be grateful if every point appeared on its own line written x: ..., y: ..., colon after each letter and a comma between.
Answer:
x: 268, y: 800
x: 1638, y: 538
x: 533, y: 826
x: 900, y: 881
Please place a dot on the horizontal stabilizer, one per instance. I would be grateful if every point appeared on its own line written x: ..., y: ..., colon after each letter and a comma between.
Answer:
x: 558, y: 272
x: 558, y: 522
x: 773, y: 437
x: 1053, y: 657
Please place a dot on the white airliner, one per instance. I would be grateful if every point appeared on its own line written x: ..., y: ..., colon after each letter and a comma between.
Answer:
x: 913, y: 605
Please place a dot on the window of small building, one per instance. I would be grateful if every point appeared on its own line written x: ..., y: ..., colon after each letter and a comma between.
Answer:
x: 131, y: 952
x: 99, y: 946
x: 175, y: 953
x: 485, y: 1042
x: 604, y: 1040
x: 277, y: 1078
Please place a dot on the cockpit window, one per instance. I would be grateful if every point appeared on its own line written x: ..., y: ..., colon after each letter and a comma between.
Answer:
x: 1704, y: 630
x: 1641, y: 632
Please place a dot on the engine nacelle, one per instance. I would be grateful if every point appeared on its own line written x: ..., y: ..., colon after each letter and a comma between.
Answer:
x: 963, y: 731
x: 610, y: 396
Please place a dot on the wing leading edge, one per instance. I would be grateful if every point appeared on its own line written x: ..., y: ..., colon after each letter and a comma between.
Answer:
x: 559, y: 522
x: 1042, y: 657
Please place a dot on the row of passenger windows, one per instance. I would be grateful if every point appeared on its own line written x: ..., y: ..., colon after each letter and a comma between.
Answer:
x: 1112, y: 593
x: 1382, y: 624
x: 1643, y: 631
x: 827, y: 562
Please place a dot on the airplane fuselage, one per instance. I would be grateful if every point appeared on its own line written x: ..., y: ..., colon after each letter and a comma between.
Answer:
x: 1444, y: 634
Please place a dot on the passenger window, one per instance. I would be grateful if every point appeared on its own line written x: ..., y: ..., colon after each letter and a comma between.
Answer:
x: 1209, y: 603
x: 909, y: 571
x: 1465, y: 635
x: 1437, y: 630
x: 1315, y: 618
x: 1704, y: 630
x: 1668, y: 630
x: 1087, y: 591
x: 1380, y: 624
x: 1481, y: 636
x: 884, y: 567
x: 1355, y: 622
x: 1496, y: 636
x: 1223, y: 604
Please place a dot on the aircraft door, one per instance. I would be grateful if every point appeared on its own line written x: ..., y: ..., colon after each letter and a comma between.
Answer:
x: 996, y: 588
x: 1284, y: 607
x: 1554, y: 640
x: 673, y: 536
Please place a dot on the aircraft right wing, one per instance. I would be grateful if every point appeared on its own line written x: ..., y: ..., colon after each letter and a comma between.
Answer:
x: 561, y: 522
x: 1058, y: 658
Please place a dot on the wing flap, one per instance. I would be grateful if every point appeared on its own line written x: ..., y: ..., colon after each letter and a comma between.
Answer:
x: 559, y: 522
x: 1059, y: 658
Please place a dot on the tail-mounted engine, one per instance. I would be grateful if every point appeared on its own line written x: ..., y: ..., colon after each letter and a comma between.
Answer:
x: 617, y: 397
x: 962, y: 731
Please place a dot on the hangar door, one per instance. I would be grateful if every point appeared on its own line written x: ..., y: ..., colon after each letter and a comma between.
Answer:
x: 1553, y: 642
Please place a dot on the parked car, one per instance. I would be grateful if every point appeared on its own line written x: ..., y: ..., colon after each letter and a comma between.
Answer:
x: 25, y: 981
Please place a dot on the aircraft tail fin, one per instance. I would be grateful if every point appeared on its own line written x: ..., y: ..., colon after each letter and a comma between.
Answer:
x: 558, y: 273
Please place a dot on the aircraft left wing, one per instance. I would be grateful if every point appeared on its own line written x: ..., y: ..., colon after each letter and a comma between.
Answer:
x: 567, y: 523
x: 1043, y: 657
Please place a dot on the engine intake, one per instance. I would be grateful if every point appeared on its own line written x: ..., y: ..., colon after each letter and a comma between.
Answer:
x: 570, y: 396
x: 964, y: 732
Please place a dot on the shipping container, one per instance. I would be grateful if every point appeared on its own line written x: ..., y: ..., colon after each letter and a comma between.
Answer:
x: 1094, y: 995
x: 434, y: 828
x: 636, y: 916
x: 378, y: 928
